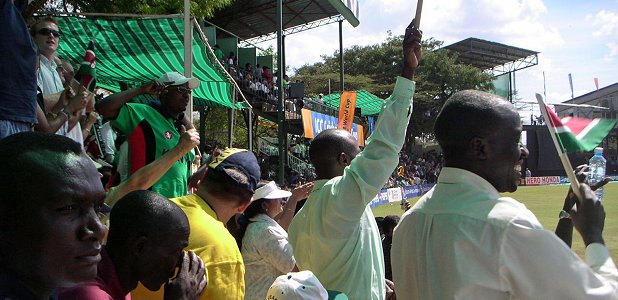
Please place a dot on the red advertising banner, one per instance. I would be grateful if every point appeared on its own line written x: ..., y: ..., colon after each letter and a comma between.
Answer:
x: 546, y: 180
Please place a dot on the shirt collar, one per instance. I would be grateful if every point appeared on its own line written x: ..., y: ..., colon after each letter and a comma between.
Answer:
x: 450, y: 175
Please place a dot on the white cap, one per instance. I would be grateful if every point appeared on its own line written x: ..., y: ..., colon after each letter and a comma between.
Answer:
x: 270, y: 191
x: 297, y: 286
x: 175, y: 78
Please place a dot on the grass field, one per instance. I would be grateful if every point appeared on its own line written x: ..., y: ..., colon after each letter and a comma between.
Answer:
x: 546, y: 202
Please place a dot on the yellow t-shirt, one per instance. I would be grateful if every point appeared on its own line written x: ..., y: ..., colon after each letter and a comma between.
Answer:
x: 216, y: 246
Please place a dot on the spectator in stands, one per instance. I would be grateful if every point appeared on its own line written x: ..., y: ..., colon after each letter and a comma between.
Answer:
x: 388, y: 225
x: 146, y: 240
x: 46, y: 35
x: 226, y: 189
x: 257, y: 73
x: 17, y: 71
x: 463, y: 239
x: 50, y: 198
x: 267, y: 75
x: 263, y: 241
x: 155, y: 128
x: 335, y: 234
x: 232, y: 60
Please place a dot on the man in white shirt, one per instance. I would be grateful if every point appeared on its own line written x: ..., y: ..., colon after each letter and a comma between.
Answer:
x: 463, y: 240
x: 46, y: 36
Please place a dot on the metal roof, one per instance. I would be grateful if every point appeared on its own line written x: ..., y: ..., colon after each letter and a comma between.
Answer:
x: 488, y: 55
x: 257, y: 19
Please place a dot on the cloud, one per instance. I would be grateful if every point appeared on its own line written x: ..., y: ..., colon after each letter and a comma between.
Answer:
x: 604, y: 23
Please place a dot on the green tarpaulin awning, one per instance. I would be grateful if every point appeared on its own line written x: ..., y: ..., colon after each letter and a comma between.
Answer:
x: 369, y: 103
x: 141, y: 50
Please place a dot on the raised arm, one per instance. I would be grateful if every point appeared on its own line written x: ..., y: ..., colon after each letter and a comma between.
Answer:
x: 145, y: 177
x: 109, y: 107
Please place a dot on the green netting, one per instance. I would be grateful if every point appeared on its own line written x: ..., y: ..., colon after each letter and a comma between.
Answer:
x: 369, y: 103
x: 141, y: 50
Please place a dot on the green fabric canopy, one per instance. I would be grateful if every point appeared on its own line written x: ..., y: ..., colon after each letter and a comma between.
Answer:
x: 141, y: 50
x: 369, y: 103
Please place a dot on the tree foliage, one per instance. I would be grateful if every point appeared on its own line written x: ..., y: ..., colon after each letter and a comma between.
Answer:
x: 375, y: 67
x: 199, y: 8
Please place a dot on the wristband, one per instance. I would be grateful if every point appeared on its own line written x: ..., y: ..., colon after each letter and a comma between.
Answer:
x: 64, y: 112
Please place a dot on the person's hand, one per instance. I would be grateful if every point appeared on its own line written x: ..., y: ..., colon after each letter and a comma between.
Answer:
x: 581, y: 172
x: 188, y: 140
x: 301, y: 192
x: 589, y: 217
x: 92, y: 117
x: 190, y: 281
x: 390, y: 290
x: 412, y: 51
x: 77, y: 101
x: 154, y: 87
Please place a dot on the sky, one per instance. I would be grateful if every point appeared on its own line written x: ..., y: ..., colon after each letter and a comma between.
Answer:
x: 577, y: 37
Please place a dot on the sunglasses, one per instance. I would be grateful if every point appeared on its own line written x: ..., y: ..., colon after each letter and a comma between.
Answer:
x: 47, y: 31
x: 181, y: 90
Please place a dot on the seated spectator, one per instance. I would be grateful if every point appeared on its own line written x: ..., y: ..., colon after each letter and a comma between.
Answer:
x: 50, y: 198
x: 146, y: 240
x: 266, y: 74
x: 257, y: 73
x: 301, y: 286
x: 226, y: 189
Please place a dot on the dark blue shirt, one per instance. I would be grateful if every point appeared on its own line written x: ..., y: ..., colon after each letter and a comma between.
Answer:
x: 17, y: 65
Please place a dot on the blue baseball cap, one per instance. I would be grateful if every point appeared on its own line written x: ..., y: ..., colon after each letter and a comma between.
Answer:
x: 240, y: 159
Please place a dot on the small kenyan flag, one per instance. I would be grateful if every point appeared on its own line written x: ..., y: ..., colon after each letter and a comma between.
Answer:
x: 577, y: 134
x: 86, y: 75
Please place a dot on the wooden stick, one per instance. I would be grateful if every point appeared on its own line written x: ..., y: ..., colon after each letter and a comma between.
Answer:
x: 566, y: 164
x: 417, y: 17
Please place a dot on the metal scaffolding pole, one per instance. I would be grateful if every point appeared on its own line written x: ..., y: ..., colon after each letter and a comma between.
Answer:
x: 280, y: 109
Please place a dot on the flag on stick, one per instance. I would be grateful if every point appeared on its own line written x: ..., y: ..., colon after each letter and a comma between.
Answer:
x: 86, y: 75
x: 577, y: 134
x: 573, y: 134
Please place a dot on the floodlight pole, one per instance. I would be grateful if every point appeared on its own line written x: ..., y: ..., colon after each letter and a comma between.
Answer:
x: 341, y: 54
x: 282, y: 138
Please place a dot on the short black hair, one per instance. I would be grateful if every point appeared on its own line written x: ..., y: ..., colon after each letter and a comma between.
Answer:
x: 389, y: 223
x: 143, y: 213
x: 19, y: 172
x: 326, y: 147
x: 465, y: 115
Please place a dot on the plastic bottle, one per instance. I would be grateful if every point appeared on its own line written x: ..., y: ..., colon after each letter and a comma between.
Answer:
x: 596, y: 170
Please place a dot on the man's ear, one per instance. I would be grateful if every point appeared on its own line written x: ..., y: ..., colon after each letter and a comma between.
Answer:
x: 343, y: 159
x: 139, y: 245
x: 478, y: 148
x: 244, y: 206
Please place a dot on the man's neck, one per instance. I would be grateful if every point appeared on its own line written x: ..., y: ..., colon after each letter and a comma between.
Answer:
x: 123, y: 269
x: 222, y: 209
x: 49, y: 55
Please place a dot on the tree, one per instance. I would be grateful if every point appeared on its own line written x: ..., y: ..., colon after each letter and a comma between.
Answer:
x: 199, y: 8
x: 374, y: 68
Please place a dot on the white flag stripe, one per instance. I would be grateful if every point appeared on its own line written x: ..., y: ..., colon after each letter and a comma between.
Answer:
x: 587, y: 129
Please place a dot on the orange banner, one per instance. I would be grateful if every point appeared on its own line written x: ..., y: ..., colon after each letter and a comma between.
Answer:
x: 347, y: 105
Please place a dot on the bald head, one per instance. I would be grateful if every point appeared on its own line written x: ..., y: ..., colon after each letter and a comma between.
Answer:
x: 468, y: 114
x: 331, y: 151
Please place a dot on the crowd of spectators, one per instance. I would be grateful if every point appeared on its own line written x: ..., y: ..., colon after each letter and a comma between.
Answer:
x: 413, y: 169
